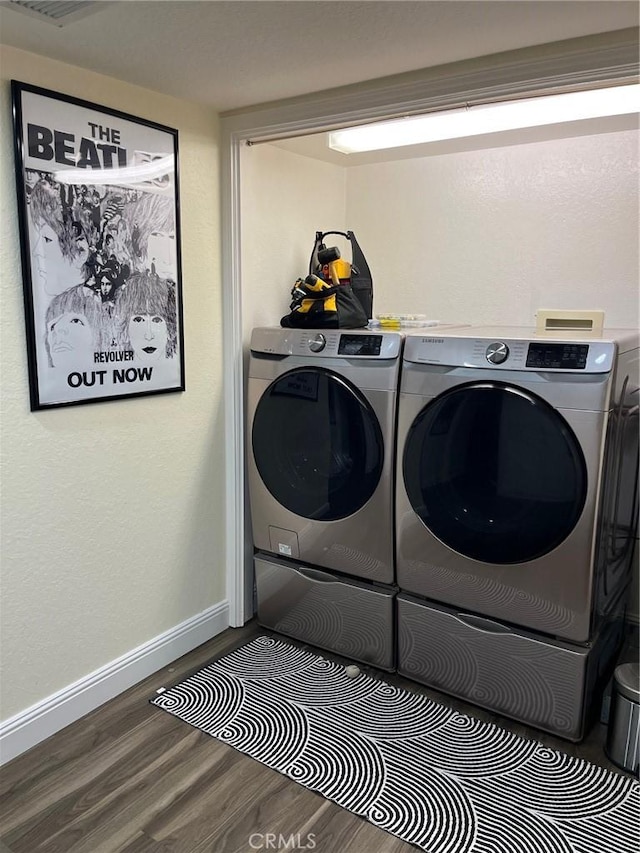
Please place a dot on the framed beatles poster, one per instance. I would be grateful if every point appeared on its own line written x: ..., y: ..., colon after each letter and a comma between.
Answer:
x: 100, y: 239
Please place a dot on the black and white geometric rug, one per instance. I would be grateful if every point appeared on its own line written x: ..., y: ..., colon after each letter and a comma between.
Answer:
x: 436, y: 778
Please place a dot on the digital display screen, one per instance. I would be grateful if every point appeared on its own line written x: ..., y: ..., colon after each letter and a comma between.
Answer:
x: 558, y: 356
x: 360, y: 345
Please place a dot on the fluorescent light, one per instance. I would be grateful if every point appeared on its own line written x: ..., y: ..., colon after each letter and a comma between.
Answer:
x: 488, y: 118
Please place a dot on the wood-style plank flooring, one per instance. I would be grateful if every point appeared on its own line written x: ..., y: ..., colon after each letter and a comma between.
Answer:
x: 130, y: 778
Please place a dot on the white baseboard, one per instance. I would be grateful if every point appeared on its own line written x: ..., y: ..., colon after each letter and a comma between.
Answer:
x: 47, y: 717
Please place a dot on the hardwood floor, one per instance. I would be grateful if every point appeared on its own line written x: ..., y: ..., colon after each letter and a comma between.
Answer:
x: 130, y: 778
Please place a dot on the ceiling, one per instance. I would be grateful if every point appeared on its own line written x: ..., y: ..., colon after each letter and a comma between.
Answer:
x: 232, y: 55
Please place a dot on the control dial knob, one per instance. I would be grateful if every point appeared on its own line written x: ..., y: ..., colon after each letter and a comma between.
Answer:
x: 317, y: 343
x: 497, y: 352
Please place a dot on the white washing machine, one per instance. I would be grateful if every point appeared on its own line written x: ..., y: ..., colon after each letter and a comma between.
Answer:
x: 321, y: 415
x: 516, y: 514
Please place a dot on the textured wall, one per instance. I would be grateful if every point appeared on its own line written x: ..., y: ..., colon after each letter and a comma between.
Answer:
x: 112, y: 513
x: 492, y: 236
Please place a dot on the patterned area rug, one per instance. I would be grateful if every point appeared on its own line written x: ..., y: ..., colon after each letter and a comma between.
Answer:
x: 436, y: 778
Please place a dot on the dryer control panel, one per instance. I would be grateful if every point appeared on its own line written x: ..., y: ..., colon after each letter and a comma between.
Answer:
x: 574, y: 356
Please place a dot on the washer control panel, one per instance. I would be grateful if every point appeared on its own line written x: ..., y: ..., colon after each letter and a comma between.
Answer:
x: 328, y: 343
x: 579, y: 356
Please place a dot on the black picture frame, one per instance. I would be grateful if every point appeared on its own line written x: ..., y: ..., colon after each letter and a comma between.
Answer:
x: 99, y: 217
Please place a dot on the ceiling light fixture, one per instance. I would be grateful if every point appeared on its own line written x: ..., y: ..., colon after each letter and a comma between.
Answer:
x: 488, y: 118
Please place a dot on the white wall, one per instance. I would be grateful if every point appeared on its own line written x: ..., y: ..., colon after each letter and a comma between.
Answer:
x: 285, y: 199
x: 491, y: 236
x: 113, y: 528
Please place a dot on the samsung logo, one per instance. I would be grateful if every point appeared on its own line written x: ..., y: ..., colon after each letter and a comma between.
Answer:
x: 433, y: 340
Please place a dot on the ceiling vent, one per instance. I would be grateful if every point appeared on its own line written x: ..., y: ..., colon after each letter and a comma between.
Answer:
x: 57, y: 13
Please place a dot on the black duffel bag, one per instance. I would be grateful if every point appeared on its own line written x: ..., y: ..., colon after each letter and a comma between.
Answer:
x: 316, y: 304
x: 360, y: 274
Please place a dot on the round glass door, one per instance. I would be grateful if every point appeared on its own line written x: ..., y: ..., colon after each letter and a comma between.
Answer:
x: 317, y: 444
x: 495, y: 473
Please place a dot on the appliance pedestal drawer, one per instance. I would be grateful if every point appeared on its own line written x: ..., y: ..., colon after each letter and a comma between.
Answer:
x: 351, y: 618
x: 546, y: 683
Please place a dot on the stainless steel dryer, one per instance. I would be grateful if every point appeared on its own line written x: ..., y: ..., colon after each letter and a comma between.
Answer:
x: 516, y: 511
x: 321, y: 416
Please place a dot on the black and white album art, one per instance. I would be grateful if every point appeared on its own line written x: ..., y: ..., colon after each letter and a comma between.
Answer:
x: 99, y: 200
